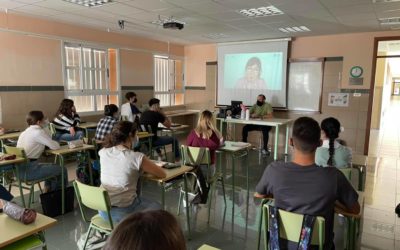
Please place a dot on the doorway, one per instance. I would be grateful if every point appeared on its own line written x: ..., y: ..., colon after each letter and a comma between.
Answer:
x: 385, y: 94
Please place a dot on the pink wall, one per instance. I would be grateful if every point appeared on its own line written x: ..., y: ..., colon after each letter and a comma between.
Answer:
x: 196, y: 57
x: 355, y: 48
x: 21, y: 23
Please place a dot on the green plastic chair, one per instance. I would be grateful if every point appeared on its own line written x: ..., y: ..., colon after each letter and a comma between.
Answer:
x: 196, y: 156
x: 19, y: 152
x: 30, y: 242
x: 290, y: 225
x: 346, y: 172
x: 52, y: 129
x: 95, y: 198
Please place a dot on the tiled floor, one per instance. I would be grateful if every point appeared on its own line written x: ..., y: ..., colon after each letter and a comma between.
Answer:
x: 380, y: 230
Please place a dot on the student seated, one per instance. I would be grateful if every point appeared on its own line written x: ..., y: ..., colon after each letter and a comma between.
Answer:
x: 332, y: 152
x: 67, y: 121
x: 120, y: 171
x: 150, y: 230
x: 154, y: 116
x: 34, y: 140
x: 205, y: 134
x: 129, y: 109
x: 107, y: 123
x: 263, y: 110
x: 303, y: 187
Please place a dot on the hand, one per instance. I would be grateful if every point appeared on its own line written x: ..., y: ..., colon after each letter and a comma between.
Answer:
x: 72, y: 131
x: 2, y: 130
x: 221, y: 141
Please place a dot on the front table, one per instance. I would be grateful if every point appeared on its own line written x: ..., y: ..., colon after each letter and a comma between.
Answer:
x: 273, y: 122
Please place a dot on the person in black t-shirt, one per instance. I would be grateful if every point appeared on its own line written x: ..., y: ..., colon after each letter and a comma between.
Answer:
x: 303, y: 187
x: 154, y: 116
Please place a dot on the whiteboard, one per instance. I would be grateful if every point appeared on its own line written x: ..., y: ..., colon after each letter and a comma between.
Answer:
x: 305, y: 85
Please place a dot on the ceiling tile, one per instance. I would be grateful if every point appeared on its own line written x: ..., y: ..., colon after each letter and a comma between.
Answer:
x: 119, y: 9
x: 205, y: 7
x: 37, y: 10
x: 28, y: 1
x: 7, y: 4
x: 150, y: 5
x: 226, y: 16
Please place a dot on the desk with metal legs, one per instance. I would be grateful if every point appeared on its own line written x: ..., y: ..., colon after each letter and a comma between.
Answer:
x: 273, y: 122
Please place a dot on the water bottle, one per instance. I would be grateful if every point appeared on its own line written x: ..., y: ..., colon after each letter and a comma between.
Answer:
x: 247, y: 114
x: 243, y: 114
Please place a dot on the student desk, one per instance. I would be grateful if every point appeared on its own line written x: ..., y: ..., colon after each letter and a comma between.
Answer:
x: 273, y: 122
x: 12, y: 230
x: 174, y: 113
x: 353, y: 222
x: 171, y: 174
x: 60, y: 153
x: 237, y: 150
x: 86, y: 126
x: 4, y: 137
x: 207, y: 247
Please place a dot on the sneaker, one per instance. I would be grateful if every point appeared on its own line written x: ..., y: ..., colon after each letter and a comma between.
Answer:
x: 265, y: 152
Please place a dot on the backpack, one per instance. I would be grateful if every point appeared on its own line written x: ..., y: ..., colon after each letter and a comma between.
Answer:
x: 197, y: 183
x: 305, y: 234
x: 83, y: 173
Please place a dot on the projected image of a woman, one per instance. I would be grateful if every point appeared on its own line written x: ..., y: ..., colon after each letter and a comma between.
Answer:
x: 252, y: 79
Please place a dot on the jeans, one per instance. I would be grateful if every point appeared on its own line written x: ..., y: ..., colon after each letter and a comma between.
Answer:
x: 35, y: 170
x: 4, y: 194
x: 250, y: 127
x: 165, y: 140
x: 68, y: 137
x: 139, y: 204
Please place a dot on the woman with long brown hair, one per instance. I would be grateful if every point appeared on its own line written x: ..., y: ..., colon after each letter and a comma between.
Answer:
x: 66, y: 122
x: 205, y: 134
x: 120, y: 171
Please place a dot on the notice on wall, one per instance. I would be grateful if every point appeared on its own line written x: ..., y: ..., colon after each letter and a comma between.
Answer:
x: 338, y: 99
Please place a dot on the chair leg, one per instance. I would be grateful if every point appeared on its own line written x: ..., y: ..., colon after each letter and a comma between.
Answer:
x: 221, y: 179
x: 210, y: 197
x: 40, y: 188
x: 31, y: 191
x: 87, y: 236
x: 180, y: 201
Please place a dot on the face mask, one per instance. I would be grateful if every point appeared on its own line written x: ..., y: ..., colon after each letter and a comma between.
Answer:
x: 135, y: 101
x: 260, y: 103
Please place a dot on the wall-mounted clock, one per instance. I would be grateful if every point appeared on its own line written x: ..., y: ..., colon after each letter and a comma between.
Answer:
x: 356, y: 71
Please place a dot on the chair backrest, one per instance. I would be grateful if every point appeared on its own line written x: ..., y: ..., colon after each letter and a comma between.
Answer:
x: 291, y: 224
x: 346, y: 172
x: 124, y: 117
x: 95, y: 198
x: 195, y: 155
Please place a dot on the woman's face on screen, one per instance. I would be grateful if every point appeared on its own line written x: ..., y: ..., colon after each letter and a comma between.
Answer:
x: 252, y: 72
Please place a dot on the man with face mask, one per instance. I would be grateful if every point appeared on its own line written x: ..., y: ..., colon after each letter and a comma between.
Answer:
x: 260, y: 110
x: 129, y: 109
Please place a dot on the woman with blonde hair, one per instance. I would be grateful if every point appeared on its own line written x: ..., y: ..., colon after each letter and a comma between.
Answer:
x: 205, y: 134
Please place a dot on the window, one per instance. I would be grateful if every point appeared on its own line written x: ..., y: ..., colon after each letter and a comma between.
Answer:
x: 168, y: 78
x: 90, y: 77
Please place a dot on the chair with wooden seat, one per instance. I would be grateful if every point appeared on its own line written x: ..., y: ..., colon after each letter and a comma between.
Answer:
x: 200, y: 156
x: 19, y: 152
x: 95, y: 198
x: 290, y: 226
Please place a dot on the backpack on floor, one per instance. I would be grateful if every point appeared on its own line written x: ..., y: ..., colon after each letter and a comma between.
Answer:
x: 83, y: 173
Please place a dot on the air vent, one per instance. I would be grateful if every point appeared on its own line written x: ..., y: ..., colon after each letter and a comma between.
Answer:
x: 294, y: 29
x: 389, y: 20
x: 215, y: 36
x: 161, y: 22
x: 89, y: 3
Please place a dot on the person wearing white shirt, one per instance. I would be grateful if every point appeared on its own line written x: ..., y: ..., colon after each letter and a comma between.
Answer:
x: 129, y: 109
x: 121, y: 168
x: 34, y: 140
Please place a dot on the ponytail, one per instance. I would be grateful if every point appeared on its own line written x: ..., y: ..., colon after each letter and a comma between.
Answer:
x: 331, y: 128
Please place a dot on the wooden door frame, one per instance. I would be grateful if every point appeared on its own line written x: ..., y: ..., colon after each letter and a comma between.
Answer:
x: 372, y: 86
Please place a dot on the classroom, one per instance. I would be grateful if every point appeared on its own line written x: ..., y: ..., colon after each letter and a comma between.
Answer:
x: 199, y: 124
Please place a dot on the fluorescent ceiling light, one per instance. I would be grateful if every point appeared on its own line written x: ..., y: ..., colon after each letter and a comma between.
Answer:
x: 385, y: 1
x: 261, y: 11
x: 294, y: 29
x: 216, y: 36
x: 389, y: 20
x: 89, y: 3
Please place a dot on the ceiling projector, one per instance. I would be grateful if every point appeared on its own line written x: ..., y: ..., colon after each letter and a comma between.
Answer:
x: 173, y: 25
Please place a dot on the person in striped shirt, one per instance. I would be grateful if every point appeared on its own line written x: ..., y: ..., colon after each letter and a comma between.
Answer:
x: 66, y: 122
x: 107, y: 123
